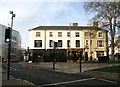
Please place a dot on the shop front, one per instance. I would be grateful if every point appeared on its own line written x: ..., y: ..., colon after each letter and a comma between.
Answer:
x: 73, y: 54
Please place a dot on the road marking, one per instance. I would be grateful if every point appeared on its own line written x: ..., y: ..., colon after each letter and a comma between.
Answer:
x: 67, y: 82
x: 28, y: 82
x: 107, y: 80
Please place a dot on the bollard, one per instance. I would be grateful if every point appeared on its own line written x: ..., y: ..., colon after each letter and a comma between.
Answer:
x: 54, y: 61
x: 80, y: 65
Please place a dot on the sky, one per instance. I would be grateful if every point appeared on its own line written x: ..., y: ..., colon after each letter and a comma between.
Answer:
x: 34, y: 13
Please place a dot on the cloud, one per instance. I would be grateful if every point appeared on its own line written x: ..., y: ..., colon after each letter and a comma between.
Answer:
x: 32, y: 14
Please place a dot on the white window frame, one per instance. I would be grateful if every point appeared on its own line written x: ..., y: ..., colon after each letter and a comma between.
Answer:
x: 100, y: 34
x: 38, y: 34
x: 86, y: 34
x: 76, y: 43
x: 51, y: 43
x: 100, y: 42
x: 86, y: 42
x: 60, y: 43
x: 59, y: 34
x: 77, y: 34
x: 68, y: 43
x: 68, y: 34
x: 51, y: 34
x: 37, y: 43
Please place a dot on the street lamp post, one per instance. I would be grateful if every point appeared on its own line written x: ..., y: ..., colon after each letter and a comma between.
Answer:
x: 9, y: 46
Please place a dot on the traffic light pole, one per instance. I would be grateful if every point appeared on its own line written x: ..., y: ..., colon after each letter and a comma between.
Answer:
x: 9, y: 50
x: 8, y: 72
x: 9, y: 46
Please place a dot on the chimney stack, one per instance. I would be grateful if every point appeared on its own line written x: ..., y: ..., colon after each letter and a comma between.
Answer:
x: 75, y: 24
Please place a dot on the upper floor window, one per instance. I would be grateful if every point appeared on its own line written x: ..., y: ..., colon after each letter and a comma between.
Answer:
x: 100, y: 43
x: 77, y: 43
x: 91, y: 42
x: 86, y: 42
x: 51, y: 34
x: 59, y: 34
x: 59, y: 43
x: 68, y: 34
x: 100, y: 34
x: 77, y: 34
x: 86, y: 34
x: 51, y: 43
x: 37, y: 34
x: 38, y: 43
x: 68, y: 43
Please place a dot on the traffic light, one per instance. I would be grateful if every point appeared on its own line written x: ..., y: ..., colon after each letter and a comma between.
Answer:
x: 7, y: 35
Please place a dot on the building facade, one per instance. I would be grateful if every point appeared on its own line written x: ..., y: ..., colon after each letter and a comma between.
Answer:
x: 87, y: 42
x: 15, y: 45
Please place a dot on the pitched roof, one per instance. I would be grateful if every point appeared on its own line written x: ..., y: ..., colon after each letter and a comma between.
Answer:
x: 63, y: 28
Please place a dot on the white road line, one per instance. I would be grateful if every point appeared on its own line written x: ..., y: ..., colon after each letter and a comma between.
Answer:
x: 28, y: 82
x: 107, y: 80
x: 68, y: 82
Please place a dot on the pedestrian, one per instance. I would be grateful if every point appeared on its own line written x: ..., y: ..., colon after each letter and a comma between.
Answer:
x: 91, y: 58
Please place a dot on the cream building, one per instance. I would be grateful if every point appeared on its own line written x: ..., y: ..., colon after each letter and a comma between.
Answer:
x: 72, y: 40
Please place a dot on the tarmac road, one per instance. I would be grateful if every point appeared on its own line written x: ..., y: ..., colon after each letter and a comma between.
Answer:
x: 48, y: 78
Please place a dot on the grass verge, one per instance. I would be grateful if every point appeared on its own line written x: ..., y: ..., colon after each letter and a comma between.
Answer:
x: 112, y: 69
x: 109, y: 62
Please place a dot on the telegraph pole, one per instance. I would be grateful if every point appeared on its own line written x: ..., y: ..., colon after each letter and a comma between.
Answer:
x: 9, y: 45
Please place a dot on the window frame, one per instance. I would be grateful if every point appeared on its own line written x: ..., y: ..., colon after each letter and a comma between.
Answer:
x: 38, y: 42
x: 86, y: 34
x: 68, y: 34
x: 100, y: 44
x: 38, y: 34
x: 100, y: 34
x: 86, y: 42
x: 51, y: 43
x: 68, y: 43
x: 59, y: 34
x: 50, y: 34
x: 60, y: 43
x: 77, y: 34
x: 77, y: 43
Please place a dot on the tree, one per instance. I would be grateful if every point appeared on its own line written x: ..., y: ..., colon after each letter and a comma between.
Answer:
x: 108, y: 16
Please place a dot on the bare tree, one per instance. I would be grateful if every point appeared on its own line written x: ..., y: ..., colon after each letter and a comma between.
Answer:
x: 108, y: 16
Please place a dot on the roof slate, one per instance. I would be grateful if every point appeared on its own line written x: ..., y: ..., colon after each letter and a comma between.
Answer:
x: 63, y: 28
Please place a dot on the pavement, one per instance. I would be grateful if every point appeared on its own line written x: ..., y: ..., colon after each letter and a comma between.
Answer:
x: 70, y: 67
x: 74, y: 68
x: 14, y: 81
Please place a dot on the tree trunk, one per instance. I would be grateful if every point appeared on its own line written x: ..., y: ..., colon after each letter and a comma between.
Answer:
x: 112, y: 40
x: 112, y: 48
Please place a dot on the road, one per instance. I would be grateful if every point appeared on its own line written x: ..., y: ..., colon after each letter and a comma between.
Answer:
x: 46, y: 78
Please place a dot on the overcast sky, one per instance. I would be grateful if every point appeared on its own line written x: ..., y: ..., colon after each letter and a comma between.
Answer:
x: 33, y: 13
